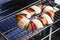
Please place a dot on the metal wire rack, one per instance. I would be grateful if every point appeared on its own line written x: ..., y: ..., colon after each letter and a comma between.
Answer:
x: 12, y: 32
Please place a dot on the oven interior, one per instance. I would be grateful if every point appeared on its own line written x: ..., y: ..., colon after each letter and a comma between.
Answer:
x: 10, y: 31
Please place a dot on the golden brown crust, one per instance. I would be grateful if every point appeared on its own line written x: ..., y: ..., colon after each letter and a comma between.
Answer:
x: 50, y: 13
x: 30, y: 11
x: 41, y: 6
x: 19, y: 17
x: 32, y: 26
x: 43, y: 20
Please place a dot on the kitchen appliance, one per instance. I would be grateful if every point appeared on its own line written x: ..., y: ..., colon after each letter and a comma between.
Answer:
x: 9, y: 29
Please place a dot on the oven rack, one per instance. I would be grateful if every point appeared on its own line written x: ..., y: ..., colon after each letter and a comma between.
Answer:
x: 12, y: 5
x: 49, y: 35
x: 12, y: 17
x: 13, y: 14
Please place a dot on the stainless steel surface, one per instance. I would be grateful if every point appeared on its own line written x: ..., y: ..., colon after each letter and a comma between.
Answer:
x: 51, y: 34
x: 4, y: 36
